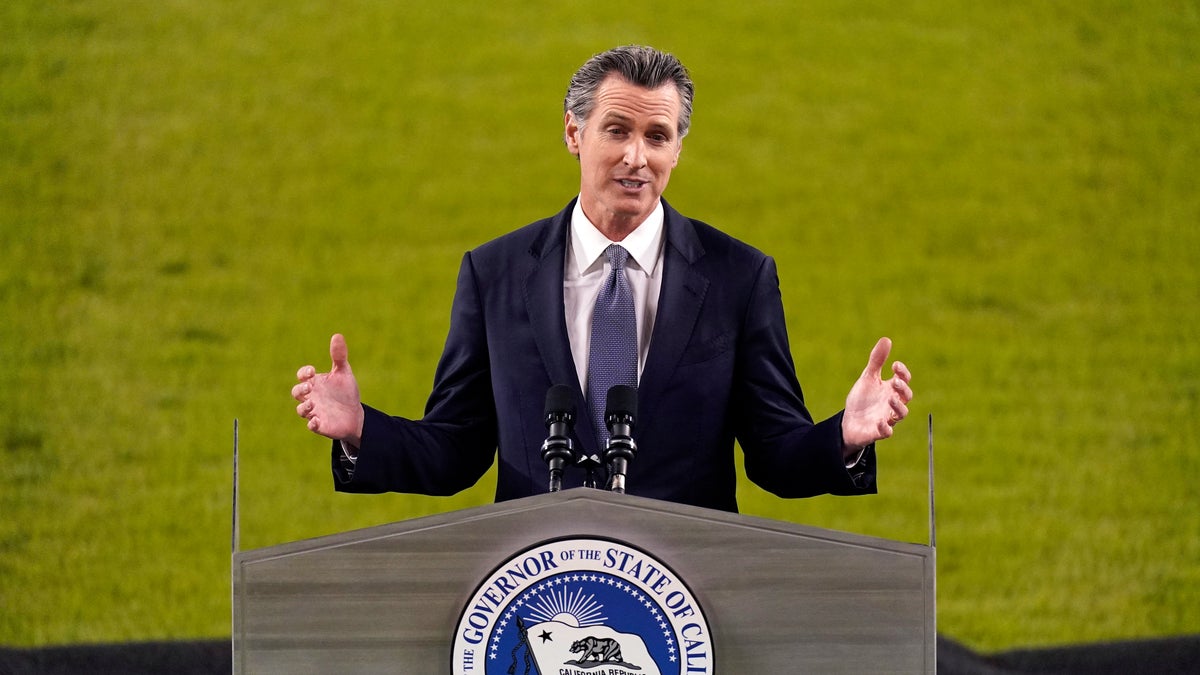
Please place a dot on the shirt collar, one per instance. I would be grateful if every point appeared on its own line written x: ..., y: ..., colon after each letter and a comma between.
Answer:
x: 644, y: 243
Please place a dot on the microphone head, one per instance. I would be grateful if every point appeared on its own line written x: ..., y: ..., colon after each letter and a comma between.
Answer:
x: 560, y: 401
x: 622, y: 400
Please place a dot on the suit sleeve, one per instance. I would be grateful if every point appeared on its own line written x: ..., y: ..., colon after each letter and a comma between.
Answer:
x: 453, y: 445
x: 786, y: 453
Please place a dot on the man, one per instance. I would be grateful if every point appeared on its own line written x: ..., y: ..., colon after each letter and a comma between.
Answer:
x: 696, y: 314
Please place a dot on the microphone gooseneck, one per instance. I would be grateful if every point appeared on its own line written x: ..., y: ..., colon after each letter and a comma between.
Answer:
x: 559, y: 416
x: 620, y: 416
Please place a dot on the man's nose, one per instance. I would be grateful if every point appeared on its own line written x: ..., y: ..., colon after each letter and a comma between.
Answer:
x: 635, y: 153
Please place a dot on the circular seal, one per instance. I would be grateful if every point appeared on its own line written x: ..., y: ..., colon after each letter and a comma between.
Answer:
x: 582, y: 606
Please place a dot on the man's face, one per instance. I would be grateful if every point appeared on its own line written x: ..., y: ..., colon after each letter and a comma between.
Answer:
x: 626, y: 150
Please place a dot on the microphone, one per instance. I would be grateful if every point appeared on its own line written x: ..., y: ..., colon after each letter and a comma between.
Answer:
x: 619, y: 414
x: 560, y: 418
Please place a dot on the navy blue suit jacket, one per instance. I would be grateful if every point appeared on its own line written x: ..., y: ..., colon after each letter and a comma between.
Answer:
x: 719, y: 368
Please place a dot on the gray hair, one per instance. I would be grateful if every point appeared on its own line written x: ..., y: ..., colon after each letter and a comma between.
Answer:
x: 643, y: 66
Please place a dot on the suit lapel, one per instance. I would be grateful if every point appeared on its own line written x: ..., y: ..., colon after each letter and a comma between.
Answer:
x: 544, y: 300
x: 679, y: 303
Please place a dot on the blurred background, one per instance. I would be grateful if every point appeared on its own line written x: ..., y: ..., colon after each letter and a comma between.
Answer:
x: 195, y: 195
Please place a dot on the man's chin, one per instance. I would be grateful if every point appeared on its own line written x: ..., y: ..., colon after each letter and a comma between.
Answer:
x: 624, y: 211
x: 637, y: 208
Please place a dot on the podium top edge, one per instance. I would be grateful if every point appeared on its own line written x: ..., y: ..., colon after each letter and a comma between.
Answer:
x: 582, y: 500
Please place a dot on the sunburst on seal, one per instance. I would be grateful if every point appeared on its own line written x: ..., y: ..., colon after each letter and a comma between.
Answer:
x: 569, y: 607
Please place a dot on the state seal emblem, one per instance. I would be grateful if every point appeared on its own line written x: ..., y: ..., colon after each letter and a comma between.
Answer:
x: 582, y: 606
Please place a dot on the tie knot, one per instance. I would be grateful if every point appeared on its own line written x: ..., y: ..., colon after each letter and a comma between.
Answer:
x: 617, y: 256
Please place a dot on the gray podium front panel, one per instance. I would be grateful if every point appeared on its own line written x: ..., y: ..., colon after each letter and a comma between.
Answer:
x: 778, y: 597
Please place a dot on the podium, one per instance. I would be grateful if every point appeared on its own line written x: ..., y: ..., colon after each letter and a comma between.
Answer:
x: 493, y: 589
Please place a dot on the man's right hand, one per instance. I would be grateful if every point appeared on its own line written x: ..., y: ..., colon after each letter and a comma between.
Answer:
x: 330, y: 401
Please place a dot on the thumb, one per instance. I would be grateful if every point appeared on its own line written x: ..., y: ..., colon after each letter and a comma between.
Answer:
x: 879, y: 355
x: 338, y: 352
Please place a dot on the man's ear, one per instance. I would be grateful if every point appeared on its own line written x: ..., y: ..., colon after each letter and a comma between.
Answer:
x: 571, y: 130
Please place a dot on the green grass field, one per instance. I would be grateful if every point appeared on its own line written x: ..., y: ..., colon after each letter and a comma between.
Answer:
x: 195, y: 195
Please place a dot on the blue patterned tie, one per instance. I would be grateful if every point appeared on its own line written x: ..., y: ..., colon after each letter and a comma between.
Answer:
x: 614, y: 347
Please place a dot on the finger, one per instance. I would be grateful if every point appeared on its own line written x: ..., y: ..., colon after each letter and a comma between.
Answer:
x: 338, y: 352
x: 304, y: 409
x: 306, y: 373
x: 901, y: 371
x: 314, y: 424
x: 899, y: 411
x: 884, y: 429
x: 301, y: 391
x: 902, y: 389
x: 879, y: 354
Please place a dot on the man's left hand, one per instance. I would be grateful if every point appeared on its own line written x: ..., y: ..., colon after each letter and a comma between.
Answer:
x: 875, y: 405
